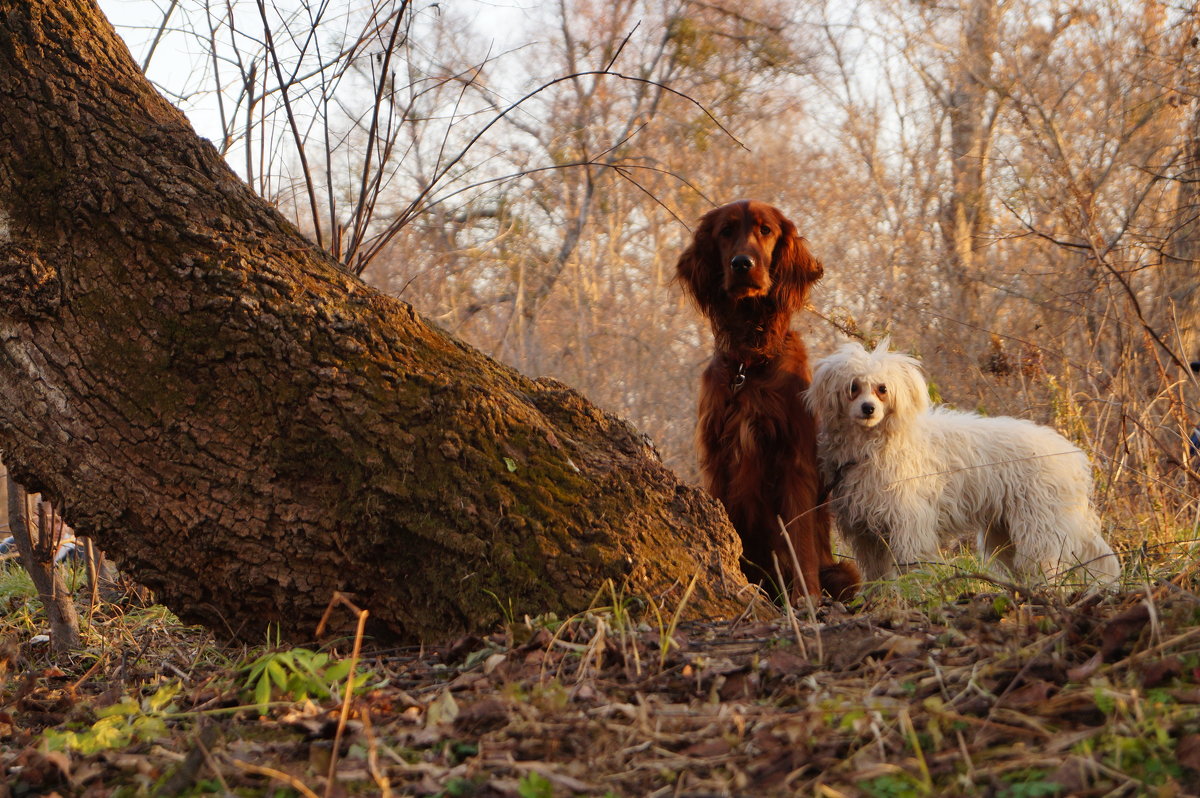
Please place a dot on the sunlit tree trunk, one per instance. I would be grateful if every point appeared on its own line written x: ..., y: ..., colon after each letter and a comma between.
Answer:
x: 965, y: 207
x: 1181, y: 281
x: 248, y: 429
x: 3, y: 501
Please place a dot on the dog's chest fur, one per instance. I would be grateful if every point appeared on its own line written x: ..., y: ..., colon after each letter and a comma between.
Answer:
x: 752, y: 428
x: 892, y: 473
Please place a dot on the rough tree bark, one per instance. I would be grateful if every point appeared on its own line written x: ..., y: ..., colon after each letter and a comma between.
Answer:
x: 248, y: 429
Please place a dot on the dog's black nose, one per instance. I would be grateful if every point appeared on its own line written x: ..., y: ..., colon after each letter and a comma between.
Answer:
x: 741, y: 263
x: 867, y: 410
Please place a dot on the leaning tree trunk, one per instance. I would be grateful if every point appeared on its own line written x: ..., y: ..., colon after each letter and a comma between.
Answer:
x: 249, y: 429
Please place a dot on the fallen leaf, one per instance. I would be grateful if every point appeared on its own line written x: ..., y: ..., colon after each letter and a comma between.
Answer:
x: 1029, y: 695
x: 1120, y: 628
x: 1187, y: 752
x: 781, y: 662
x: 1072, y: 776
x: 1161, y: 671
x: 900, y: 646
x: 708, y: 749
x: 442, y: 710
x: 738, y: 686
x: 481, y: 717
x: 462, y: 647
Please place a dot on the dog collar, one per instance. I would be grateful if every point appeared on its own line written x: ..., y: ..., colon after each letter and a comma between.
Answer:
x: 743, y: 371
x: 739, y: 379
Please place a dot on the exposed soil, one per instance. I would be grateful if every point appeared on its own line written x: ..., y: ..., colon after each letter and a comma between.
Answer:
x: 990, y: 693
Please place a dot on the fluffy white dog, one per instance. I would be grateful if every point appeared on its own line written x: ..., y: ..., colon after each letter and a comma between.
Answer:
x: 903, y: 476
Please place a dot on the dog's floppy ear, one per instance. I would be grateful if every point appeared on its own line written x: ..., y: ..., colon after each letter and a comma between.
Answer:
x: 823, y: 396
x: 910, y: 389
x: 698, y: 269
x: 793, y: 268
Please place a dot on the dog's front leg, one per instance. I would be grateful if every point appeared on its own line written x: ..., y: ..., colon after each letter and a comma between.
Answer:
x: 872, y: 554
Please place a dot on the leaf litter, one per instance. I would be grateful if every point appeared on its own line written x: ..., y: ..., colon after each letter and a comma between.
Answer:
x: 993, y: 691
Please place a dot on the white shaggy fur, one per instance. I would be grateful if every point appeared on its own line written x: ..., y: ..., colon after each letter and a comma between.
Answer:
x: 904, y: 477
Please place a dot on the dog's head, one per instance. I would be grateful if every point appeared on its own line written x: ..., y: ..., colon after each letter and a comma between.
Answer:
x: 747, y: 250
x: 857, y: 388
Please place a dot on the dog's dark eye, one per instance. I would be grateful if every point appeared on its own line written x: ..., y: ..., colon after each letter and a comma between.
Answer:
x: 726, y: 231
x: 854, y: 388
x: 881, y: 390
x: 764, y: 230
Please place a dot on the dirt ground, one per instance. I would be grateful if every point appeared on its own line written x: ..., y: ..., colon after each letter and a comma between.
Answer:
x: 974, y: 688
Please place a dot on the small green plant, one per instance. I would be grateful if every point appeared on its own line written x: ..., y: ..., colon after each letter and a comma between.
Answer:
x: 18, y: 600
x: 534, y: 785
x: 931, y: 585
x: 666, y: 629
x: 892, y: 785
x: 296, y: 674
x: 14, y: 581
x: 1028, y: 784
x: 119, y: 725
x: 1138, y: 740
x: 1104, y: 700
x: 458, y: 751
x: 461, y: 788
x: 506, y: 609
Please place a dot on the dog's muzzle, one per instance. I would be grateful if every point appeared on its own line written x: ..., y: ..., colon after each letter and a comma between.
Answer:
x: 867, y: 413
x: 741, y: 264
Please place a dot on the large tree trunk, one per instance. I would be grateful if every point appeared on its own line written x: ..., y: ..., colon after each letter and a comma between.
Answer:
x: 247, y: 428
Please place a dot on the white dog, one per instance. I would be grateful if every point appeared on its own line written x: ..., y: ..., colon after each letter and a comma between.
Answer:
x: 903, y: 476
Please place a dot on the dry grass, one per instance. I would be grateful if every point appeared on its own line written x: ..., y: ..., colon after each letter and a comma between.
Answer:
x: 940, y: 685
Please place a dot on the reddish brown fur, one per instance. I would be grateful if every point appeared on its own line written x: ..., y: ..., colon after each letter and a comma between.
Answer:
x: 757, y: 443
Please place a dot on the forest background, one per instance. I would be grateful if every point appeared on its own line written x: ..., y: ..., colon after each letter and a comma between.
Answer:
x: 1007, y: 188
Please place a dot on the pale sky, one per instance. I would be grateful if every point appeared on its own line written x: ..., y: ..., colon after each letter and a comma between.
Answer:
x: 180, y: 65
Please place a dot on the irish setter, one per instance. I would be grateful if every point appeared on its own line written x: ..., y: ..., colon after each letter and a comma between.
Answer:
x: 748, y: 271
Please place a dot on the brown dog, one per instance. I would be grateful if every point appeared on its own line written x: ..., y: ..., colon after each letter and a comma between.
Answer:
x: 749, y: 271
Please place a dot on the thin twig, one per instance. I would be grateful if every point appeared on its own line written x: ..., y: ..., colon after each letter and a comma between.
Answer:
x: 277, y: 775
x: 348, y: 692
